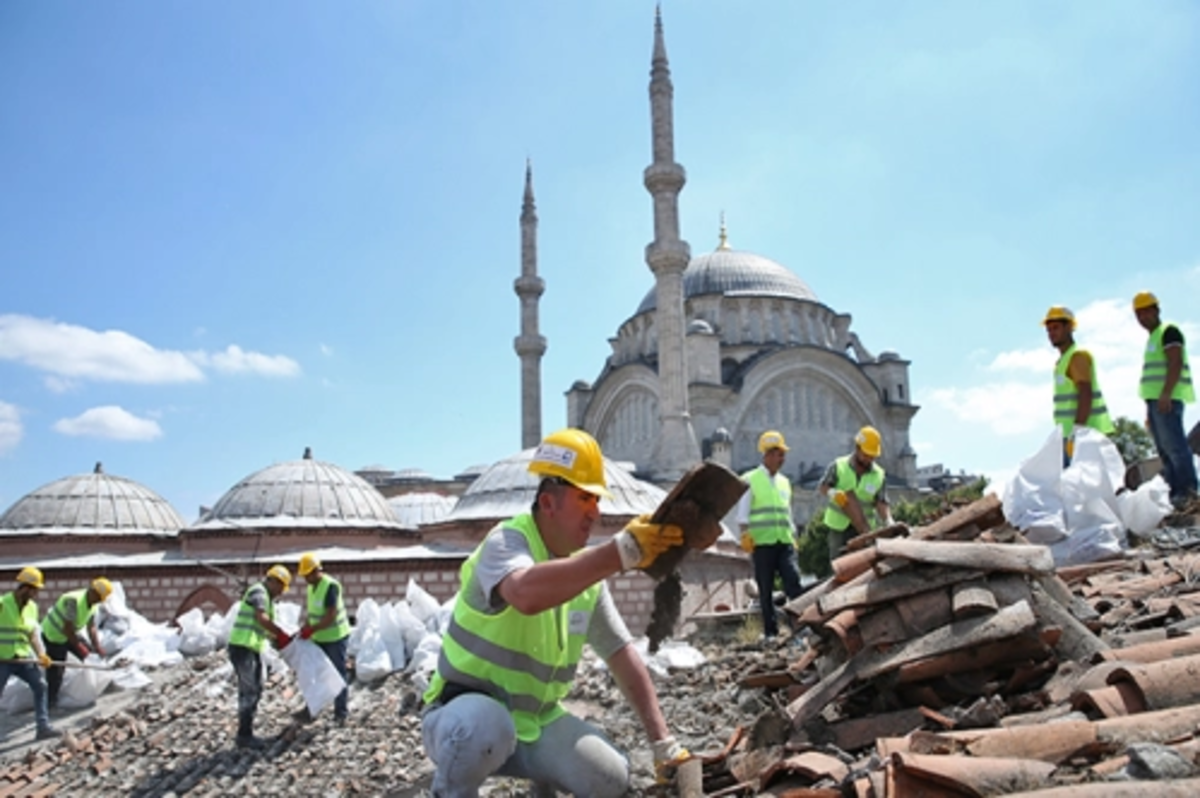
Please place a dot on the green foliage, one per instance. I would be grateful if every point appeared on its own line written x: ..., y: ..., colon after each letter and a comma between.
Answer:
x: 812, y: 553
x: 1132, y: 440
x: 929, y: 508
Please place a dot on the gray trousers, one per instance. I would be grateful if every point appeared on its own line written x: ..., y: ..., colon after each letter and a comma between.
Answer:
x: 247, y: 665
x: 473, y: 737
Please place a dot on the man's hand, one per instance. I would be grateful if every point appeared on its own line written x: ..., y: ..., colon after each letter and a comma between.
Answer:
x: 81, y: 651
x: 668, y: 755
x: 282, y: 639
x: 306, y: 632
x: 44, y: 659
x: 1164, y: 403
x: 640, y: 543
x: 840, y: 498
x: 747, y: 543
x: 100, y: 652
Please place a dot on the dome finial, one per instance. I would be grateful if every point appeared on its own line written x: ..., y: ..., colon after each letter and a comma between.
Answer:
x: 307, y: 452
x: 724, y: 235
x: 99, y: 469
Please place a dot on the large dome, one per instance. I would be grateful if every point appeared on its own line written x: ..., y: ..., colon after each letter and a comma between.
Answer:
x: 301, y: 493
x: 507, y: 488
x: 92, y: 504
x: 732, y: 272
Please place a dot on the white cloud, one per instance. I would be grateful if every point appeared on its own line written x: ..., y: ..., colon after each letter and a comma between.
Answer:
x: 235, y: 360
x: 1008, y: 408
x: 11, y: 429
x: 326, y: 350
x: 111, y: 422
x: 71, y: 351
x: 1035, y: 360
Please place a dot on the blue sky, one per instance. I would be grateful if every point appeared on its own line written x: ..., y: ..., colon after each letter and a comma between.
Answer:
x: 232, y: 230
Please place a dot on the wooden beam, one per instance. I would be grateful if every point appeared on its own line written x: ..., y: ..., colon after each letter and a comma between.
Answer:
x: 891, y: 587
x: 976, y: 556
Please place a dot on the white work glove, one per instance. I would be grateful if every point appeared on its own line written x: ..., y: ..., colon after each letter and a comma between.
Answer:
x: 641, y: 541
x: 668, y: 754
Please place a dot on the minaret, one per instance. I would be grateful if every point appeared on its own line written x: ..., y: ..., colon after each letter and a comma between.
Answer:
x: 667, y: 255
x: 530, y: 346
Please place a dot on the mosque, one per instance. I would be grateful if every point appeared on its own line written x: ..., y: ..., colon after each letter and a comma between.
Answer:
x: 726, y: 344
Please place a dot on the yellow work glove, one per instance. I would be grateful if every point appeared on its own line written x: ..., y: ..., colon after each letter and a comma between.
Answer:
x: 840, y: 498
x: 44, y: 660
x: 668, y: 755
x: 640, y: 542
x: 747, y: 543
x: 1069, y: 446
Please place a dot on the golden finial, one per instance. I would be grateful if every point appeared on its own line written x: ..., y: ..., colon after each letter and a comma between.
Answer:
x: 724, y: 242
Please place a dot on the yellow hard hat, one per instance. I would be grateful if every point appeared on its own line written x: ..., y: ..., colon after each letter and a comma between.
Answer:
x: 31, y: 576
x: 1144, y: 299
x: 103, y: 587
x: 308, y: 564
x: 573, y: 455
x: 282, y: 574
x: 1060, y: 313
x: 771, y: 439
x: 869, y: 440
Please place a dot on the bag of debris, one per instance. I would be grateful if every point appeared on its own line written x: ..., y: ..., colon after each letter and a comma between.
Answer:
x: 220, y: 626
x: 392, y: 633
x: 1144, y: 509
x: 372, y: 662
x: 1089, y: 493
x: 366, y: 617
x: 130, y: 677
x: 424, y: 661
x: 17, y: 697
x: 318, y: 680
x: 1032, y: 500
x: 413, y: 630
x: 194, y: 638
x: 423, y: 605
x: 82, y: 686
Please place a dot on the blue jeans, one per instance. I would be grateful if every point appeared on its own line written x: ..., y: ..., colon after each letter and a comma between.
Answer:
x: 247, y: 664
x: 32, y: 675
x: 769, y: 560
x: 1178, y: 467
x: 336, y: 651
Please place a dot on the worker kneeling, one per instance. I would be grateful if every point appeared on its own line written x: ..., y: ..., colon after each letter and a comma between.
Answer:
x: 531, y: 595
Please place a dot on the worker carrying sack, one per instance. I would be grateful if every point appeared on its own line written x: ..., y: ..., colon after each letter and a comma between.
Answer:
x: 319, y: 681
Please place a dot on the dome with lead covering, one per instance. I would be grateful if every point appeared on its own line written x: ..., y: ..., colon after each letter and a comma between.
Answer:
x: 421, y: 509
x: 92, y: 504
x: 732, y: 272
x: 301, y: 493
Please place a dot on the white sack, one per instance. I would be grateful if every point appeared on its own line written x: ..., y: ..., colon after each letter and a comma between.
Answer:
x: 318, y: 679
x: 17, y: 697
x: 1144, y: 509
x: 82, y: 686
x: 373, y: 661
x: 393, y: 635
x: 424, y: 660
x: 414, y: 631
x: 1089, y: 491
x: 194, y: 638
x: 1031, y: 499
x: 130, y: 677
x: 365, y: 617
x: 423, y: 605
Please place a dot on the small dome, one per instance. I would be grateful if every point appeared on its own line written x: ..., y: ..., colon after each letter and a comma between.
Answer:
x: 412, y: 475
x: 471, y: 472
x: 92, y: 504
x: 886, y: 356
x: 721, y: 435
x: 507, y: 488
x: 732, y: 272
x: 699, y: 326
x: 419, y: 509
x: 303, y: 492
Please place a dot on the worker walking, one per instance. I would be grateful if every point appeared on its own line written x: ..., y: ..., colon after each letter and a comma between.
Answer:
x: 531, y: 595
x: 74, y: 612
x: 1167, y: 386
x: 327, y: 624
x: 764, y: 516
x: 1078, y: 400
x: 20, y: 644
x: 252, y: 626
x: 854, y: 485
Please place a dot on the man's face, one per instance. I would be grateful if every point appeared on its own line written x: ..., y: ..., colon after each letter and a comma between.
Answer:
x: 313, y: 576
x: 566, y: 516
x: 1059, y: 332
x: 24, y: 593
x: 863, y: 459
x: 274, y: 587
x: 773, y: 459
x: 1148, y: 317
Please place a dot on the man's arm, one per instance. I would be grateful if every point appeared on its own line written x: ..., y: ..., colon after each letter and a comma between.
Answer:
x: 1174, y: 354
x: 635, y: 683
x: 539, y: 587
x: 1080, y: 372
x: 267, y: 623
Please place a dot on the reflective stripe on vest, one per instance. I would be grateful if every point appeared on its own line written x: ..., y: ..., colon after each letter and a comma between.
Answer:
x: 770, y: 507
x: 865, y: 488
x: 17, y: 627
x: 247, y: 631
x: 316, y: 611
x: 527, y: 662
x: 71, y: 605
x: 1066, y: 397
x: 1154, y: 370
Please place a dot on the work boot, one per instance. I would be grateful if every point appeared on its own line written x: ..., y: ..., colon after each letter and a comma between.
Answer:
x: 47, y: 733
x: 250, y: 742
x: 302, y: 715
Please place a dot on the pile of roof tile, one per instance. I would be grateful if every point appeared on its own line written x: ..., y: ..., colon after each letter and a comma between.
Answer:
x: 955, y: 660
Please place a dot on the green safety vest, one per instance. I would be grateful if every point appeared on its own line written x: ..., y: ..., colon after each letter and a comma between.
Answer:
x: 247, y: 631
x: 527, y: 662
x: 1154, y: 370
x: 316, y: 611
x: 17, y: 627
x: 770, y: 507
x: 1066, y: 398
x: 865, y: 488
x: 72, y: 606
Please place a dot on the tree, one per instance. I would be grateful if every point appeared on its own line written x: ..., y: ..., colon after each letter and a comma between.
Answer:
x: 1132, y: 440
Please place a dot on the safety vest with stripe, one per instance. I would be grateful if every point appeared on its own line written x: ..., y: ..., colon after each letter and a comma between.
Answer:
x: 17, y: 627
x: 866, y: 488
x: 770, y: 507
x: 316, y: 611
x: 73, y: 606
x: 247, y: 631
x: 527, y: 662
x: 1154, y: 370
x: 1066, y: 397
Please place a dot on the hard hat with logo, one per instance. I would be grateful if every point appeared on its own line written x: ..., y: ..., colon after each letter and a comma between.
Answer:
x: 869, y: 440
x: 282, y: 574
x: 771, y: 439
x: 308, y: 564
x: 31, y: 576
x: 1060, y: 313
x: 103, y: 587
x: 1143, y: 300
x: 573, y: 455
